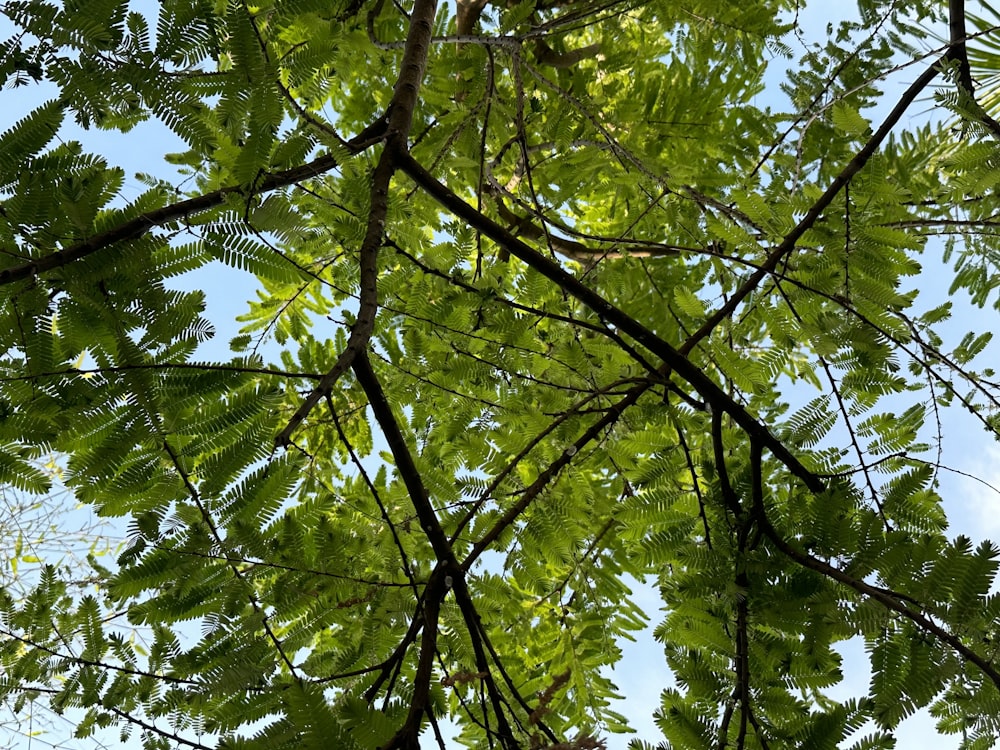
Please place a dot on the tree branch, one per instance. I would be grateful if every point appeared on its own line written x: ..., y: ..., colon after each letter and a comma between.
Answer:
x: 887, y: 599
x: 958, y: 52
x: 407, y: 736
x: 448, y: 572
x: 674, y: 360
x: 140, y: 225
x: 571, y: 248
x: 368, y: 305
x: 787, y: 245
x: 546, y: 476
x: 399, y: 119
x: 405, y: 465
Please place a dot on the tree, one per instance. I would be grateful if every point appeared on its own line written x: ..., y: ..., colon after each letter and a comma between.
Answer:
x: 556, y: 304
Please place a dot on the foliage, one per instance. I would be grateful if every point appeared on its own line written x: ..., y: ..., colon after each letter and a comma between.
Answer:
x: 572, y: 308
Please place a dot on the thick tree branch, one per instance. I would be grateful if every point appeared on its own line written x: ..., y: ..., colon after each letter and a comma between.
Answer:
x: 477, y: 635
x: 405, y: 465
x: 408, y: 735
x: 467, y: 13
x: 361, y: 331
x: 448, y: 570
x: 548, y: 56
x: 674, y: 361
x: 399, y: 119
x: 958, y: 52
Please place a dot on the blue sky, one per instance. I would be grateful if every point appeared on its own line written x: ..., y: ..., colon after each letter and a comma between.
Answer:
x: 973, y: 508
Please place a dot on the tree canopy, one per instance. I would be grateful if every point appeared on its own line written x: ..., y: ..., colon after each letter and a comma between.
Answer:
x: 557, y: 297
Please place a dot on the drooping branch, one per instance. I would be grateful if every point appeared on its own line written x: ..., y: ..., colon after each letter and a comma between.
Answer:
x: 892, y: 600
x: 695, y: 482
x: 163, y: 734
x: 395, y: 659
x: 83, y: 372
x: 223, y: 544
x: 718, y: 451
x: 376, y: 496
x: 919, y: 351
x: 888, y: 599
x: 83, y: 662
x: 842, y: 407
